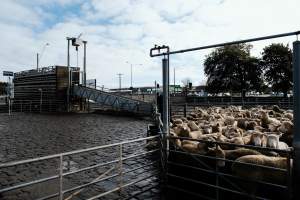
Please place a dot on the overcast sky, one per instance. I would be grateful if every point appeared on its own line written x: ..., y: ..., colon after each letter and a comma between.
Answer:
x: 118, y: 31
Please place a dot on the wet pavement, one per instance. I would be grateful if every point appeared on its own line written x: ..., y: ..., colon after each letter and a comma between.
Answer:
x: 25, y: 136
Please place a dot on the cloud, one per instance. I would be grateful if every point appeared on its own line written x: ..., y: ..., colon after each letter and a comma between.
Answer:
x: 124, y: 30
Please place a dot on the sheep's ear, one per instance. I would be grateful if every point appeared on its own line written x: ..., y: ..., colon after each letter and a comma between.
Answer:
x: 218, y: 147
x: 280, y: 134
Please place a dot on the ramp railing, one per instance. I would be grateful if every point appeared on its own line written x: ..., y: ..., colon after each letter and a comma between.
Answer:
x: 117, y: 102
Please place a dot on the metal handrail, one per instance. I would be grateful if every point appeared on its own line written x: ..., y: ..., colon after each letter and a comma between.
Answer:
x: 61, y: 174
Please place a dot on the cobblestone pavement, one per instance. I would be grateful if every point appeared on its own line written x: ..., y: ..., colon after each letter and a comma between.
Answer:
x: 26, y: 136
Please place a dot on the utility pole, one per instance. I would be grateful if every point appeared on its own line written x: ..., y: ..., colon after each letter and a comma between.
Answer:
x: 174, y: 82
x: 37, y: 61
x: 131, y: 76
x: 120, y: 81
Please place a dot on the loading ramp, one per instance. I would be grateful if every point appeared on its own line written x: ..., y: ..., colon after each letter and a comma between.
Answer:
x: 115, y: 102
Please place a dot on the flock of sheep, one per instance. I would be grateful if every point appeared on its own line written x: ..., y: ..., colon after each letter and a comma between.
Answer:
x: 258, y: 126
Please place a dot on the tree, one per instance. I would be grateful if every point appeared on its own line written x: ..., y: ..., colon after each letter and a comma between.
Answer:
x: 277, y: 65
x: 232, y: 69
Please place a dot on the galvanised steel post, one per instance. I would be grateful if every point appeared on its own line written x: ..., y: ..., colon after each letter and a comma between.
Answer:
x: 296, y: 140
x: 165, y: 96
x: 68, y: 65
x: 84, y: 62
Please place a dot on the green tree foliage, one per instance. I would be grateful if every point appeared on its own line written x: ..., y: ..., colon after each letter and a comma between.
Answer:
x: 277, y: 64
x: 232, y: 69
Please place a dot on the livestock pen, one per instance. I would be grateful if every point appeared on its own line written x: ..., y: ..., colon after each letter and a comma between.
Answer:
x: 190, y: 173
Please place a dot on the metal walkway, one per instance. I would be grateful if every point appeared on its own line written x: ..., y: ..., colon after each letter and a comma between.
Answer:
x: 116, y: 102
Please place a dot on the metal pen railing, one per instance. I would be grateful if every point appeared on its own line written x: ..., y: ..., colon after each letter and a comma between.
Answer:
x: 185, y: 109
x: 225, y: 176
x: 61, y: 174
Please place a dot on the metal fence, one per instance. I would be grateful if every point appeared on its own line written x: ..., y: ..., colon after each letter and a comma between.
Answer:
x: 121, y: 171
x: 200, y: 176
x: 185, y: 109
x: 33, y: 106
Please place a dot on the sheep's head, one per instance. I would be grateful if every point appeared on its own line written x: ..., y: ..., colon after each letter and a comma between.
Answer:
x: 273, y: 141
x: 233, y: 132
x: 257, y: 138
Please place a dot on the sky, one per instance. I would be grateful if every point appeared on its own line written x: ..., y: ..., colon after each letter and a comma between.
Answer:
x: 120, y: 32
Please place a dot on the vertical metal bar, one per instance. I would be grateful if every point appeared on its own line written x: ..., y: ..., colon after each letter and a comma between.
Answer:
x: 184, y: 109
x: 121, y: 167
x: 61, y: 195
x: 296, y: 131
x: 9, y: 106
x: 289, y: 177
x: 217, y: 178
x: 68, y: 65
x: 84, y: 62
x: 165, y: 96
x: 37, y: 61
x: 165, y: 120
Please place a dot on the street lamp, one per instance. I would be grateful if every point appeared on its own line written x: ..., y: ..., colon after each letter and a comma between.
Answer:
x: 39, y: 57
x: 131, y: 64
x: 41, y: 98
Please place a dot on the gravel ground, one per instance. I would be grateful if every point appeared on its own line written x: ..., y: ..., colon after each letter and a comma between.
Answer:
x: 26, y: 136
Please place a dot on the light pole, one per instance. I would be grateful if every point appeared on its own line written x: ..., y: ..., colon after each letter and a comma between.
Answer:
x: 41, y: 99
x: 39, y: 57
x: 174, y: 82
x: 131, y: 65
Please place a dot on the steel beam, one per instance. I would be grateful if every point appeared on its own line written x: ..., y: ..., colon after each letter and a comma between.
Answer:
x: 224, y: 44
x: 296, y: 131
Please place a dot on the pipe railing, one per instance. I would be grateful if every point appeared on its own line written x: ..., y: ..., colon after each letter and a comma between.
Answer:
x: 227, y: 176
x: 61, y: 174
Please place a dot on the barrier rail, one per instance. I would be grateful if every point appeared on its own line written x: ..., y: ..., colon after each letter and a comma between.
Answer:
x: 60, y: 176
x: 185, y: 109
x: 224, y: 181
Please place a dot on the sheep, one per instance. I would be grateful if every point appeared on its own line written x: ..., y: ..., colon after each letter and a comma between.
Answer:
x: 258, y: 139
x: 195, y: 134
x: 177, y: 122
x: 229, y: 120
x: 207, y: 129
x: 258, y: 173
x: 177, y: 142
x: 192, y: 125
x: 273, y: 142
x: 265, y: 120
x: 286, y: 127
x: 216, y: 127
x: 251, y: 125
x: 236, y: 140
x: 242, y: 123
x: 182, y: 131
x: 232, y: 132
x: 290, y: 116
x: 193, y: 147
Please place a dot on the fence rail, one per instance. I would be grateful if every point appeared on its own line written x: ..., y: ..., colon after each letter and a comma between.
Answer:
x: 61, y: 174
x: 224, y: 181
